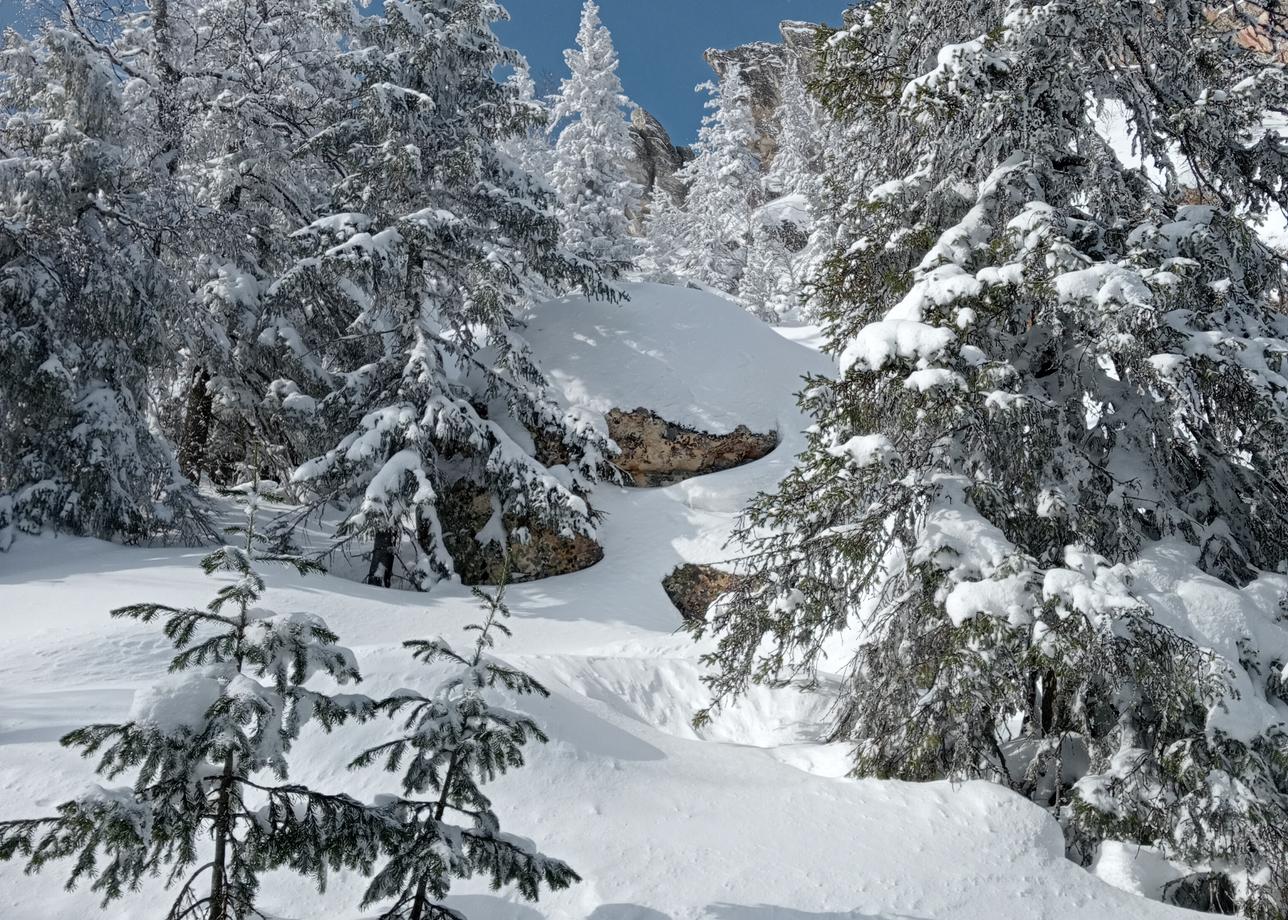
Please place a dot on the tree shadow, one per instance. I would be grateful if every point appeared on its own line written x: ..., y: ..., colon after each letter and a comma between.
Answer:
x: 626, y: 912
x: 725, y: 911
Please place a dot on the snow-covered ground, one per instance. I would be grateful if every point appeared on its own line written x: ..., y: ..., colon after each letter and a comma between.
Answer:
x: 749, y: 820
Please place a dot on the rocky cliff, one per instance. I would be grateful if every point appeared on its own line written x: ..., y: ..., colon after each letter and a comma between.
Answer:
x: 763, y: 66
x: 657, y: 158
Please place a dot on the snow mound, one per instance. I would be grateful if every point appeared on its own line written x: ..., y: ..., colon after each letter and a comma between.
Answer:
x: 693, y: 358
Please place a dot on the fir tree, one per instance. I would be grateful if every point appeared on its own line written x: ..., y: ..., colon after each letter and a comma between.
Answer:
x: 87, y: 304
x: 1051, y: 360
x: 210, y: 745
x: 723, y: 193
x: 455, y: 739
x: 596, y: 195
x: 413, y: 288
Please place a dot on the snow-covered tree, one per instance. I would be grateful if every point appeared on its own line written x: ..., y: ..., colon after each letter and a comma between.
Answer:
x: 87, y: 303
x: 1059, y: 440
x: 405, y: 298
x: 596, y: 195
x: 723, y: 185
x: 455, y: 739
x: 255, y: 80
x: 664, y: 234
x: 797, y: 162
x: 209, y: 809
x: 530, y: 148
x: 769, y: 285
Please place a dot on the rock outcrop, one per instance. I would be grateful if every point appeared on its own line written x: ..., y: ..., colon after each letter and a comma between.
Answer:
x: 471, y: 534
x: 694, y: 588
x: 763, y: 66
x: 657, y: 159
x: 656, y: 452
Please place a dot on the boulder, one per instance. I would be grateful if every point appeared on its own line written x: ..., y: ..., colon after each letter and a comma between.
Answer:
x: 467, y: 511
x: 694, y: 588
x: 656, y: 452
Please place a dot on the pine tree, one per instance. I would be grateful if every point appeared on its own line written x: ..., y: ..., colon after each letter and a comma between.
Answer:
x: 413, y: 287
x: 1061, y: 373
x: 596, y: 195
x: 769, y: 287
x: 723, y: 181
x: 202, y: 741
x: 455, y: 740
x: 87, y: 305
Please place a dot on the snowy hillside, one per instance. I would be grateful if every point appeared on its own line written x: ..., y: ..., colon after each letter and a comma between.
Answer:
x: 749, y: 820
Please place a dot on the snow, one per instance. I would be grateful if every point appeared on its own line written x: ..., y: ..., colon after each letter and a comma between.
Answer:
x: 879, y: 342
x: 601, y: 356
x: 750, y: 818
x: 178, y: 701
x: 787, y: 209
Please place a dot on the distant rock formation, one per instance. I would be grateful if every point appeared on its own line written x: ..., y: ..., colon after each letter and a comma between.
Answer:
x: 657, y: 158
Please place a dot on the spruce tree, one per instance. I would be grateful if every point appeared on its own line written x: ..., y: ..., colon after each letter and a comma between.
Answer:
x: 455, y: 739
x: 1060, y: 413
x: 596, y: 196
x: 406, y: 298
x: 87, y: 303
x: 723, y: 188
x: 209, y: 747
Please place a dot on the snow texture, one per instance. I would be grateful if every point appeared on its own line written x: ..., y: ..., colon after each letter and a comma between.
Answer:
x: 750, y: 819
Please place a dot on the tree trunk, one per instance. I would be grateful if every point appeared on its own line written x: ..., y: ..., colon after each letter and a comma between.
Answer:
x: 198, y: 415
x: 1049, y: 712
x: 218, y: 872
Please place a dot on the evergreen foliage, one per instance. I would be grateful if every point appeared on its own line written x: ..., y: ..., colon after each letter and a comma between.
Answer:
x: 596, y: 196
x: 405, y: 300
x: 87, y: 302
x: 723, y: 183
x: 454, y: 740
x: 209, y: 747
x: 1059, y: 431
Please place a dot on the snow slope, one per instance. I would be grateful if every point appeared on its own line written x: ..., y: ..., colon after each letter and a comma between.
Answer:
x: 751, y: 820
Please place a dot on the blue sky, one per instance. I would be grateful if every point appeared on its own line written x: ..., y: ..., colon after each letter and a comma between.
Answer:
x: 660, y: 42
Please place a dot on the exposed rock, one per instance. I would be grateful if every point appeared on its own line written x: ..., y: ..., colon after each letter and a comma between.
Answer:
x: 656, y: 452
x: 694, y: 588
x: 657, y: 159
x: 467, y: 513
x: 763, y: 66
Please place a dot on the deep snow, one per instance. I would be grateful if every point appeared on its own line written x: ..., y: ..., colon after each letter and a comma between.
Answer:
x: 749, y: 820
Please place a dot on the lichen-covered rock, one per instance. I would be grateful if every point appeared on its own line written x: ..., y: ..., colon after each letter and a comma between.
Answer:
x: 694, y: 588
x: 471, y: 533
x: 656, y: 452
